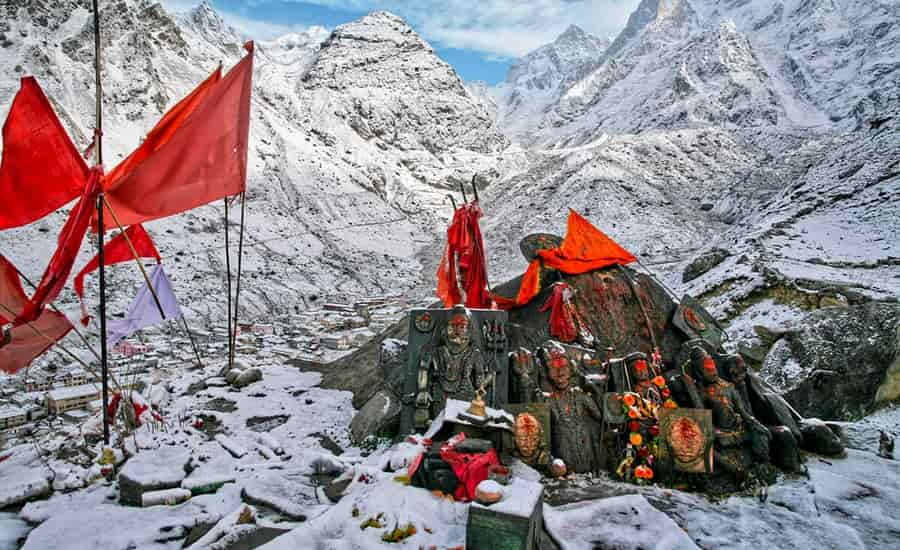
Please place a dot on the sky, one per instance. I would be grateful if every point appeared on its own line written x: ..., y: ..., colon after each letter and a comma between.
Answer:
x: 479, y: 38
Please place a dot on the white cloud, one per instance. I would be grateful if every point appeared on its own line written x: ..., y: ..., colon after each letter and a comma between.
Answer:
x: 505, y: 28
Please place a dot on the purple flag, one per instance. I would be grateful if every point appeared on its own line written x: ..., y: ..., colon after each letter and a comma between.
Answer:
x: 143, y: 312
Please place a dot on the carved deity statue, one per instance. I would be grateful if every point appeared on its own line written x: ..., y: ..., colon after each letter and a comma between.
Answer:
x: 734, y: 424
x: 574, y: 417
x: 453, y: 371
x: 529, y: 437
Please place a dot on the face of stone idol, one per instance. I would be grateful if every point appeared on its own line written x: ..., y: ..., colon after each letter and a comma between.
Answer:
x: 558, y: 371
x: 738, y: 369
x: 458, y: 330
x: 710, y: 374
x: 641, y: 372
x: 528, y: 435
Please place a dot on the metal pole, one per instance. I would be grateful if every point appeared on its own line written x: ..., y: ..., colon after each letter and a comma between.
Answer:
x: 98, y: 139
x: 228, y: 285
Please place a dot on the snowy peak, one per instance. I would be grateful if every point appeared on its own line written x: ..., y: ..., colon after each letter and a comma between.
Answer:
x: 672, y: 13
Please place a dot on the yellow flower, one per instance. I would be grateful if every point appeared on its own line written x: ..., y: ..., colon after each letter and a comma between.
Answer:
x: 635, y: 439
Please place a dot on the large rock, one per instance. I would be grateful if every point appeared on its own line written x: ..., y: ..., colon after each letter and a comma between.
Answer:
x: 839, y: 363
x: 23, y: 476
x: 392, y: 362
x: 704, y: 263
x: 819, y: 438
x: 152, y: 470
x: 380, y: 413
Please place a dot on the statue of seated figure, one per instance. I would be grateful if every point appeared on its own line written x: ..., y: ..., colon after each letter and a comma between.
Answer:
x: 453, y: 370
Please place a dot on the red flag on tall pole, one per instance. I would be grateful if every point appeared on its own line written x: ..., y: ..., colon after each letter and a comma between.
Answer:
x: 201, y: 156
x: 60, y: 266
x: 117, y: 251
x: 28, y: 341
x: 41, y: 169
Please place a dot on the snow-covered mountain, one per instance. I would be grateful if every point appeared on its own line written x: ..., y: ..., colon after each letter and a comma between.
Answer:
x: 732, y: 64
x: 356, y: 137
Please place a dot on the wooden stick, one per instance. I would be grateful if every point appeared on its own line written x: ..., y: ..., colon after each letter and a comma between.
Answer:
x: 136, y: 258
x: 237, y: 291
x: 228, y: 285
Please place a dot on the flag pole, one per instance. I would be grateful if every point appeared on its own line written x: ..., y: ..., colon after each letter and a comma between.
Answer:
x: 140, y: 264
x: 98, y: 140
x: 237, y: 291
x: 228, y: 277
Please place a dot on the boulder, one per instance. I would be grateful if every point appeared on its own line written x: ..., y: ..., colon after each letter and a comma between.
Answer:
x: 392, y: 361
x: 380, y: 413
x: 839, y: 363
x: 704, y: 263
x: 819, y: 438
x: 247, y: 377
x: 152, y: 470
x: 770, y: 408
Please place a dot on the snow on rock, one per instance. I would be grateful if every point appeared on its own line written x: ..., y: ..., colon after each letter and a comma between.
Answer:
x: 23, y: 475
x: 437, y: 521
x: 627, y: 522
x: 288, y: 492
x: 152, y: 469
x: 12, y: 529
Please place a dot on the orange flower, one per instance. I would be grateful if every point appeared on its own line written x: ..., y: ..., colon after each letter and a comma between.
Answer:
x: 669, y: 404
x: 659, y: 381
x: 629, y: 400
x: 643, y: 472
x: 633, y: 413
x: 635, y: 439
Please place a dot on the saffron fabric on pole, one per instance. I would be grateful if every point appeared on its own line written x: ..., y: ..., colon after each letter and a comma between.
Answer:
x: 117, y: 251
x: 60, y: 266
x: 465, y: 251
x: 41, y: 170
x: 27, y: 342
x: 143, y: 312
x: 201, y: 157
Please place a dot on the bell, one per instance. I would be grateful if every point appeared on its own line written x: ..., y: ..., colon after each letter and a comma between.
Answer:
x: 477, y: 407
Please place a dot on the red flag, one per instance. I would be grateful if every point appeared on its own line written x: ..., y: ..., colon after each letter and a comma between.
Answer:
x: 199, y: 156
x: 63, y: 259
x: 41, y: 169
x: 465, y: 250
x: 28, y: 341
x: 114, y: 252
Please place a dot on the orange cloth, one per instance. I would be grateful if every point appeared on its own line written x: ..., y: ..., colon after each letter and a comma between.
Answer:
x: 584, y: 249
x: 465, y: 250
x: 195, y: 155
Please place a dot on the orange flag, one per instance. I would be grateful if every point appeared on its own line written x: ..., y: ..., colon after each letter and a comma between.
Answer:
x: 196, y: 155
x: 27, y: 342
x: 41, y: 169
x: 584, y: 249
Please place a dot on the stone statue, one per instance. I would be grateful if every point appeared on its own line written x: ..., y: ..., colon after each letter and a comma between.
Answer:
x: 737, y: 370
x: 529, y: 434
x: 734, y: 425
x: 640, y: 376
x: 574, y: 416
x: 454, y: 369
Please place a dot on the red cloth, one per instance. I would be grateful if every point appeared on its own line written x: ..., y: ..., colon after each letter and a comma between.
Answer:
x: 195, y: 155
x: 562, y: 325
x: 26, y: 344
x: 114, y: 252
x: 471, y: 469
x: 41, y: 169
x: 465, y: 250
x: 584, y: 249
x: 63, y: 259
